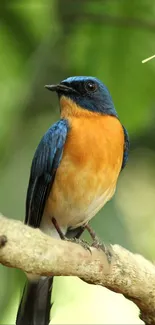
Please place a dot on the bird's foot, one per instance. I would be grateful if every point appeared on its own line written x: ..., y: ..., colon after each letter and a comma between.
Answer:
x: 81, y: 242
x: 98, y: 244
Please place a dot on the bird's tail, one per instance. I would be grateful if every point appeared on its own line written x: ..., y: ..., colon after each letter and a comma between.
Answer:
x: 35, y: 305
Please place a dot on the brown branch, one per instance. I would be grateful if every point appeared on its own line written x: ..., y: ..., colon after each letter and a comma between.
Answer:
x: 34, y: 252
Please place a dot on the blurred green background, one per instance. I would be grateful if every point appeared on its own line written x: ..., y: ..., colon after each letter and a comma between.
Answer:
x: 45, y: 41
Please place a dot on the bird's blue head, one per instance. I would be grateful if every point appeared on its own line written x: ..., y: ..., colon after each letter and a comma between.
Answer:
x: 86, y: 92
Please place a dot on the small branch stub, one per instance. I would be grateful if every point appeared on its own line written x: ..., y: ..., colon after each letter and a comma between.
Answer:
x: 3, y: 240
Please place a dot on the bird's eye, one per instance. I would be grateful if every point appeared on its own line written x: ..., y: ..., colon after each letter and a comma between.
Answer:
x: 91, y: 86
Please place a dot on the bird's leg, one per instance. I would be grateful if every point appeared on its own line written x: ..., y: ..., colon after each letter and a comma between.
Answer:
x: 59, y: 231
x: 91, y: 233
x: 97, y: 243
x: 74, y: 240
x: 75, y: 233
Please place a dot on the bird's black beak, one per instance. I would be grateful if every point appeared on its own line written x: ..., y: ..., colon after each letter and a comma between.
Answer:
x: 60, y: 88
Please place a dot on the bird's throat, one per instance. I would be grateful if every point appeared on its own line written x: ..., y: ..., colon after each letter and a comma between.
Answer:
x: 68, y: 108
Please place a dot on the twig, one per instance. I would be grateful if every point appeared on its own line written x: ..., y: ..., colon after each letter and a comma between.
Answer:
x: 148, y: 59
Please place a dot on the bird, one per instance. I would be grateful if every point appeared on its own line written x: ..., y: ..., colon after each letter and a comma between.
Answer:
x: 74, y: 173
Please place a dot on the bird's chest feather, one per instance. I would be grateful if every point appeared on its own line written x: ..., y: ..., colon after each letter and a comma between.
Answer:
x: 87, y: 175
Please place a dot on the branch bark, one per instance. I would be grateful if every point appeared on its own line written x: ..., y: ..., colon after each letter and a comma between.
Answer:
x: 34, y: 252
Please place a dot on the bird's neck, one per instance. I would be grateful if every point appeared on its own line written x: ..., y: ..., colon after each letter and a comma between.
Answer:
x: 70, y: 109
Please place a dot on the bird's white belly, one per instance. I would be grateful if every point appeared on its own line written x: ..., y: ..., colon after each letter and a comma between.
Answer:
x: 96, y: 204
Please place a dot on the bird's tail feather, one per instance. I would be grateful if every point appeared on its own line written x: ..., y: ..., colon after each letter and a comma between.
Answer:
x: 35, y: 305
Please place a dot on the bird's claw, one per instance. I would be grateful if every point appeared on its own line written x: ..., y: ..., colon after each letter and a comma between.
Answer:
x: 81, y: 242
x: 96, y: 242
x: 99, y: 245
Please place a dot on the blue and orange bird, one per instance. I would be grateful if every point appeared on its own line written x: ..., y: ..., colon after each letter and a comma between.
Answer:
x: 74, y: 173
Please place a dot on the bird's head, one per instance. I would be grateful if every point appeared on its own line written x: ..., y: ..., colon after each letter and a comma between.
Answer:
x: 81, y: 94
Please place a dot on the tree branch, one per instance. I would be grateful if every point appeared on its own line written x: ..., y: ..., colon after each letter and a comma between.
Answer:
x: 34, y: 252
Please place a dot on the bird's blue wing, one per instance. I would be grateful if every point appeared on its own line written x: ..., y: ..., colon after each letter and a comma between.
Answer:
x: 44, y: 165
x: 126, y: 147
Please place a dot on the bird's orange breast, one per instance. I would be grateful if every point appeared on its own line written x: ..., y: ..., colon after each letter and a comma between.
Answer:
x: 87, y: 175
